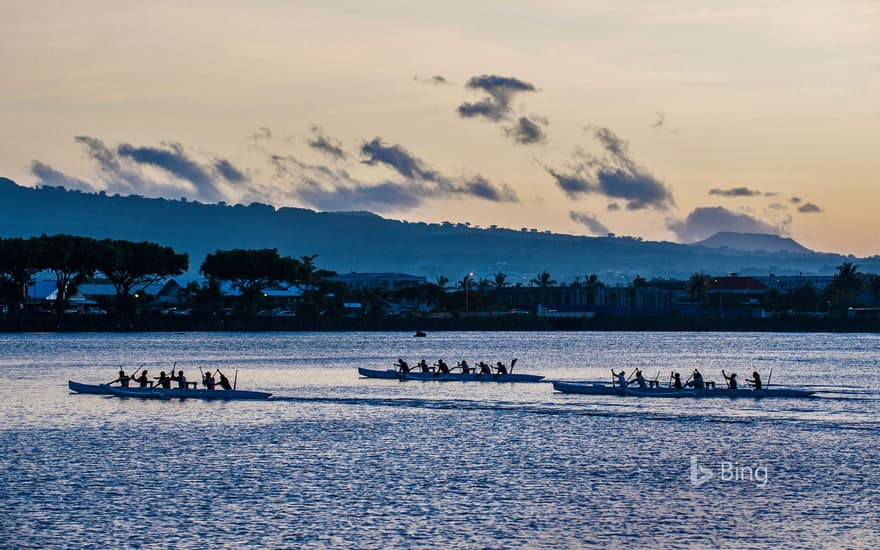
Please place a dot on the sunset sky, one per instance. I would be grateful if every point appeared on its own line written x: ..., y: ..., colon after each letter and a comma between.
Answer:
x: 665, y: 122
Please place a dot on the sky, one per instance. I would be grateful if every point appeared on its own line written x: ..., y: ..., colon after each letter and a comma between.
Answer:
x: 666, y: 122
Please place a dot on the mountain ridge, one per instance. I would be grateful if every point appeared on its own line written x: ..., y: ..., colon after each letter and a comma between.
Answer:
x: 347, y: 242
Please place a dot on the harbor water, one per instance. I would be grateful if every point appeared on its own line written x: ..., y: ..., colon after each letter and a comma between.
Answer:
x: 333, y: 460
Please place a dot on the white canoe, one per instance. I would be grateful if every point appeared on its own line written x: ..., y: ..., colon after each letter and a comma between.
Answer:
x: 599, y: 388
x: 451, y: 377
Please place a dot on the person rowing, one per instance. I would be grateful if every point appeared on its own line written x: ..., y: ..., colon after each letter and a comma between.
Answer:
x: 484, y: 368
x: 676, y: 380
x: 465, y: 368
x: 640, y: 380
x: 402, y: 366
x: 209, y: 381
x: 163, y: 381
x: 180, y: 379
x: 224, y: 382
x: 696, y: 381
x: 142, y: 379
x: 500, y: 368
x: 755, y: 381
x: 423, y: 365
x: 442, y: 367
x: 621, y: 378
x: 731, y: 380
x: 123, y: 379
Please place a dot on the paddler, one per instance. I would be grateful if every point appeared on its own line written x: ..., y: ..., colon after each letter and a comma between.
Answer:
x: 676, y: 380
x: 640, y: 380
x: 442, y: 367
x: 500, y: 368
x: 224, y: 382
x: 621, y: 378
x: 755, y: 381
x: 123, y: 379
x: 402, y: 365
x: 697, y: 381
x: 423, y: 365
x: 484, y: 367
x: 180, y: 379
x: 731, y: 380
x: 142, y: 379
x: 465, y: 368
x: 163, y: 381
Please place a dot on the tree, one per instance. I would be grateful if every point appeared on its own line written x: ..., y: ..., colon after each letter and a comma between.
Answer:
x: 592, y: 284
x: 698, y: 286
x: 804, y: 298
x: 442, y: 281
x: 846, y: 284
x: 249, y: 271
x: 500, y: 280
x: 873, y: 283
x: 20, y: 261
x: 543, y: 280
x: 129, y: 265
x: 72, y: 259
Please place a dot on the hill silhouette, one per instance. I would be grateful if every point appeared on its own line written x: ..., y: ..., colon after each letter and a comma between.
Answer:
x: 753, y: 241
x: 361, y: 241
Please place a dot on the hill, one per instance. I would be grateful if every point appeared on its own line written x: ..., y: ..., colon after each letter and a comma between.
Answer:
x: 357, y: 241
x: 753, y: 241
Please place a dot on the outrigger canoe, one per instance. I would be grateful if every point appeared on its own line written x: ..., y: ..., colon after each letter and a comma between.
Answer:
x: 451, y: 377
x: 604, y: 388
x: 161, y: 393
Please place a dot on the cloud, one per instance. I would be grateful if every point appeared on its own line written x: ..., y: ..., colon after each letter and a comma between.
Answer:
x: 704, y: 222
x: 398, y: 159
x: 320, y: 142
x: 777, y: 206
x: 613, y: 207
x: 590, y: 221
x: 527, y: 131
x: 437, y: 80
x: 660, y: 121
x: 229, y: 172
x: 616, y: 175
x: 795, y: 200
x: 736, y: 192
x: 49, y: 176
x: 335, y: 189
x: 174, y: 160
x: 501, y: 90
x: 118, y: 176
x: 120, y: 170
x: 262, y: 132
x: 809, y: 208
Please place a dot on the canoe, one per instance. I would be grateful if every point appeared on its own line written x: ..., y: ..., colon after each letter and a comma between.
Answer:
x: 186, y: 393
x: 451, y: 377
x: 599, y: 388
x: 95, y: 389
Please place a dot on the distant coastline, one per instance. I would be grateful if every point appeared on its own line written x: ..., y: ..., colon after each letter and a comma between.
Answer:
x: 486, y: 324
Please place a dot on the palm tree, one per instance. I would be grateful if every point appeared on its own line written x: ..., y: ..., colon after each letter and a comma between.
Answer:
x: 874, y: 286
x: 543, y: 280
x: 592, y: 283
x: 500, y: 280
x: 697, y: 287
x: 442, y: 281
x: 847, y: 284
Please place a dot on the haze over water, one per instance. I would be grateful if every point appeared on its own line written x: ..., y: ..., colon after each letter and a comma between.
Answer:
x: 343, y: 461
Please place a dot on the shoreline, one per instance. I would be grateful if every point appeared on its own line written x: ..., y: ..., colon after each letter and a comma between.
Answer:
x: 529, y: 323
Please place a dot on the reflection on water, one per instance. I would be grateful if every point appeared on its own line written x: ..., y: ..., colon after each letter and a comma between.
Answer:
x: 340, y: 461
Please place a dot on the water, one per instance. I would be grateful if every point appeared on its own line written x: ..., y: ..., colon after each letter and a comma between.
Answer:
x: 346, y: 462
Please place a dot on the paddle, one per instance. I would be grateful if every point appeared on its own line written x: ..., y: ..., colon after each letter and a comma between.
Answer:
x: 512, y: 363
x: 769, y: 377
x: 235, y: 380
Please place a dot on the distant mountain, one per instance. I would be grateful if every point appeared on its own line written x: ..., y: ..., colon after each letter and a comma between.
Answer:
x: 754, y: 241
x: 357, y: 241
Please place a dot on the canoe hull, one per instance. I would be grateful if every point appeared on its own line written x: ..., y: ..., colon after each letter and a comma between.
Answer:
x: 669, y: 393
x: 452, y: 377
x: 93, y: 389
x: 181, y: 393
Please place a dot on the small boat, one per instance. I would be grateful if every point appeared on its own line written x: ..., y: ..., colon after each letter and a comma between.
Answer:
x: 185, y: 393
x: 419, y: 334
x: 391, y: 374
x: 605, y: 388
